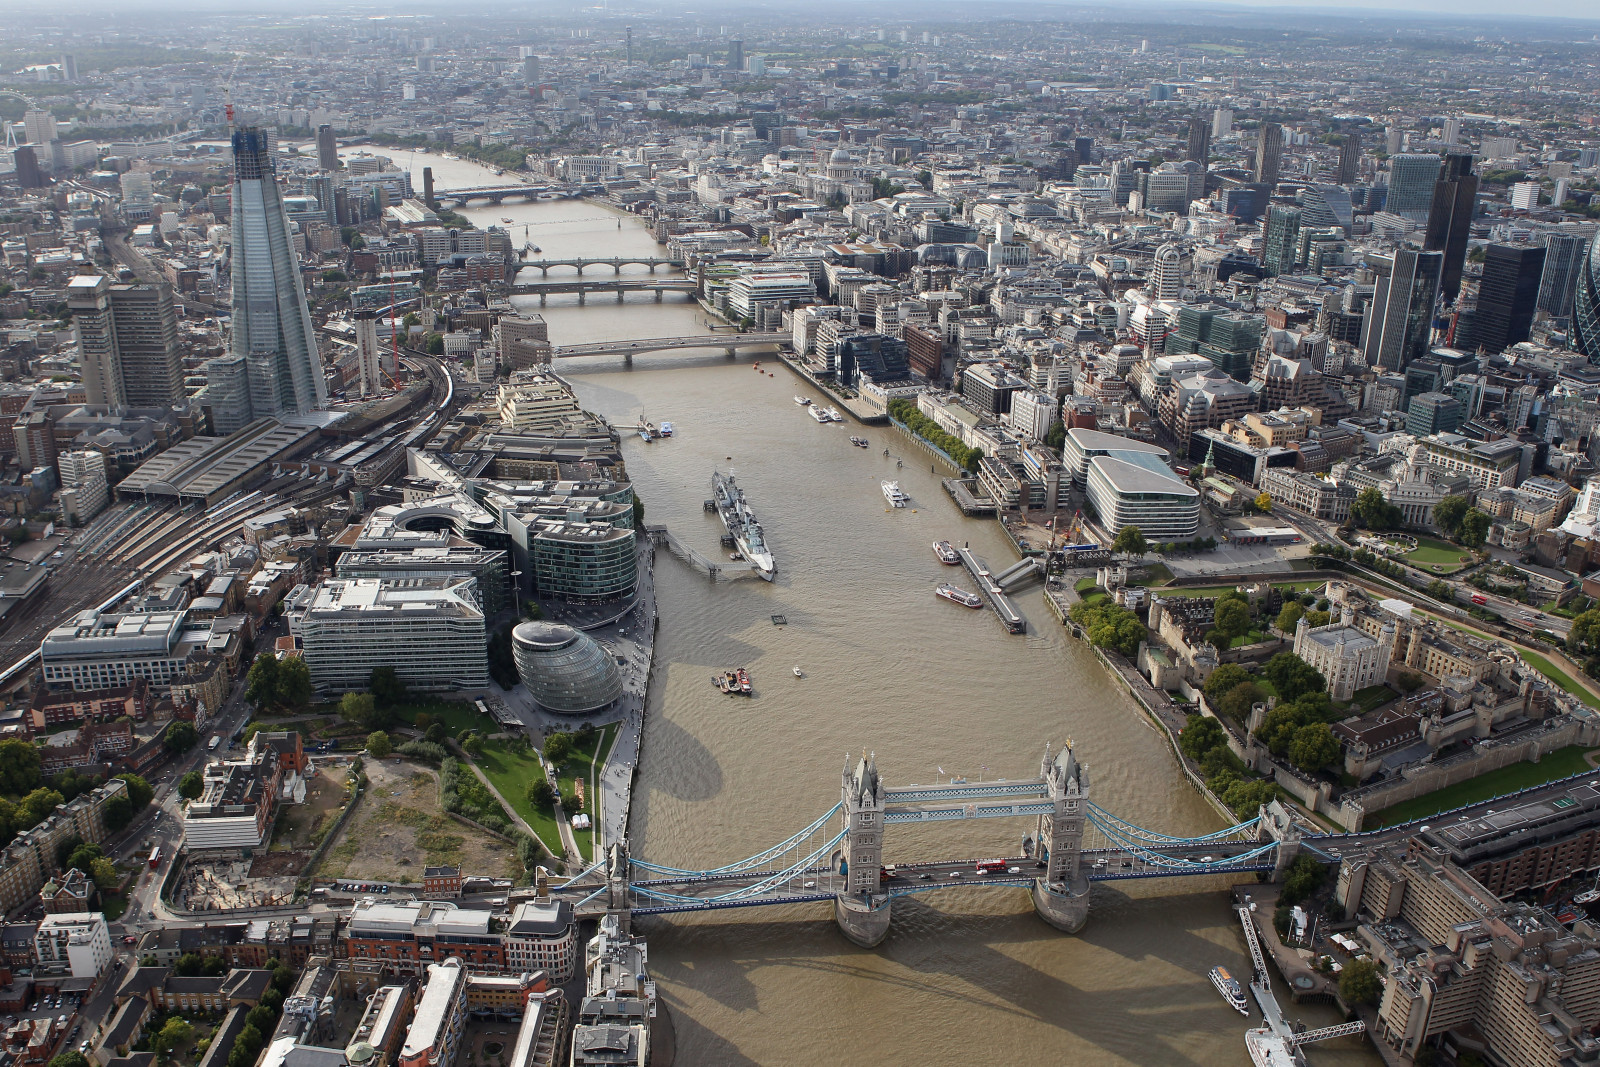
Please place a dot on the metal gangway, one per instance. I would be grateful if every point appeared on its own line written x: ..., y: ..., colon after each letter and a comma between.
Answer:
x: 1349, y: 1029
x: 661, y: 535
x: 1023, y: 570
x: 1257, y: 960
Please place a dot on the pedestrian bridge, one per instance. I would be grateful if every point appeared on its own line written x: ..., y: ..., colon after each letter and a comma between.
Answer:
x: 838, y: 857
x: 508, y: 191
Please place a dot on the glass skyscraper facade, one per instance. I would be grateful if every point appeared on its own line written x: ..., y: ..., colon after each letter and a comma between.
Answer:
x: 1586, y: 305
x: 1411, y: 180
x: 272, y: 333
x: 1400, y: 322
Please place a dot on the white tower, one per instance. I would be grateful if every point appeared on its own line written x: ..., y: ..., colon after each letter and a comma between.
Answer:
x: 369, y: 357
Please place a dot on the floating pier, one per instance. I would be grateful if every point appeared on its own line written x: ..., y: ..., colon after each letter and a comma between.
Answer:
x: 990, y: 590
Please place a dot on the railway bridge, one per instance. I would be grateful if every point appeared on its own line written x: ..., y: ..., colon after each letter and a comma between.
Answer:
x: 616, y: 263
x: 618, y: 285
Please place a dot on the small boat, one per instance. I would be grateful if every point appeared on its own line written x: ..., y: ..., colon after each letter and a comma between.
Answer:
x: 834, y: 416
x: 666, y: 430
x: 506, y: 219
x: 798, y: 673
x: 858, y: 442
x: 728, y: 683
x: 819, y: 414
x: 803, y: 401
x: 736, y: 556
x: 744, y: 681
x: 536, y: 248
x: 895, y: 495
x: 946, y: 553
x: 957, y: 595
x: 1230, y: 989
x: 645, y: 435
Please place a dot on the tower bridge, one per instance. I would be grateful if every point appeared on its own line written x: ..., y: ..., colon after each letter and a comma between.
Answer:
x: 838, y: 857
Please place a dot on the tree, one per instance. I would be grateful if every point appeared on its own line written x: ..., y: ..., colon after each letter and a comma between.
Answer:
x: 1224, y: 678
x: 19, y: 766
x: 360, y: 709
x: 261, y: 684
x: 1237, y: 702
x: 191, y: 785
x: 139, y: 792
x: 1289, y: 617
x: 1358, y: 983
x: 378, y: 744
x: 558, y: 748
x: 104, y: 873
x: 1448, y: 513
x: 188, y: 965
x: 117, y: 812
x: 1301, y: 881
x: 1409, y: 681
x: 434, y: 345
x: 1440, y: 590
x: 1264, y: 502
x: 1232, y: 619
x: 1373, y: 511
x: 387, y: 686
x: 1130, y: 540
x: 1313, y: 747
x: 540, y: 793
x: 1474, y: 528
x: 180, y: 736
x: 1292, y: 676
x: 472, y: 743
x: 294, y: 683
x: 1200, y: 735
x: 34, y: 808
x: 1056, y: 436
x: 174, y: 1033
x: 261, y: 1017
x: 83, y: 855
x: 435, y: 733
x: 1584, y: 635
x: 1279, y: 726
x: 570, y: 803
x: 1318, y: 618
x: 71, y: 1058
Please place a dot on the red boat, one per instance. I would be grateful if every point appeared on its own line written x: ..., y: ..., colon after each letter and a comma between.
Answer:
x: 744, y: 680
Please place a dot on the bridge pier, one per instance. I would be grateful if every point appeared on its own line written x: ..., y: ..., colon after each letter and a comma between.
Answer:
x: 860, y: 909
x: 581, y: 295
x: 728, y: 351
x: 616, y: 268
x: 544, y: 272
x: 652, y: 266
x: 619, y: 296
x: 658, y: 292
x: 1277, y: 824
x: 542, y: 298
x: 1061, y: 897
x: 627, y: 357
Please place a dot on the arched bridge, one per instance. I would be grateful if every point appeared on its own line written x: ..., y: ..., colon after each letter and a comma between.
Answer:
x: 616, y: 263
x: 618, y: 285
x: 497, y: 193
x: 728, y: 342
x: 838, y: 857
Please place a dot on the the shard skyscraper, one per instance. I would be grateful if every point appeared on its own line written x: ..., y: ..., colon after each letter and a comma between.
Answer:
x: 273, y: 343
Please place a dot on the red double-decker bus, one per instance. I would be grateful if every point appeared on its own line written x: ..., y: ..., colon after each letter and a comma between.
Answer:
x: 155, y: 857
x: 991, y: 866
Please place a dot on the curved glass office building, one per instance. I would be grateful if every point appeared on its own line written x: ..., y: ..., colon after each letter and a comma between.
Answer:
x: 1586, y: 305
x: 565, y: 670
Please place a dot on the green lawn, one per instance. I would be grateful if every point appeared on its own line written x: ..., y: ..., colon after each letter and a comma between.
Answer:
x: 1085, y: 585
x: 1560, y: 677
x: 457, y: 716
x: 577, y: 769
x: 1432, y: 550
x: 1562, y: 763
x: 1218, y: 590
x: 511, y: 774
x: 1155, y: 574
x: 1373, y: 696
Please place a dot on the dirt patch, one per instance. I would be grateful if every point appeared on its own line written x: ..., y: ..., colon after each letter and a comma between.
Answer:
x: 279, y: 864
x: 398, y: 829
x: 301, y: 827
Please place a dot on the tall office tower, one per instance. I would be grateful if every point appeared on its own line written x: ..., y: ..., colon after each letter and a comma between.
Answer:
x: 127, y: 343
x: 327, y: 149
x: 1400, y: 322
x: 1586, y: 305
x: 1199, y: 141
x: 40, y: 126
x: 271, y: 322
x: 146, y: 327
x: 530, y: 70
x: 1269, y: 153
x: 736, y: 54
x: 1393, y: 140
x: 26, y: 159
x: 1452, y: 131
x: 1525, y: 196
x: 1279, y: 238
x: 1455, y: 198
x: 1349, y: 159
x: 369, y: 357
x: 1412, y: 176
x: 69, y: 68
x: 1166, y: 275
x: 1508, y: 295
x: 1563, y: 260
x: 1221, y: 122
x: 1084, y: 146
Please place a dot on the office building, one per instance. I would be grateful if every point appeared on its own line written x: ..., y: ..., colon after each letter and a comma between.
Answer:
x: 1455, y: 199
x: 327, y: 149
x: 1507, y: 296
x: 1525, y: 196
x: 1199, y: 148
x: 581, y: 562
x: 1430, y: 413
x: 1166, y: 274
x: 613, y: 1025
x: 1488, y: 464
x: 1349, y: 159
x: 1399, y: 324
x: 566, y: 671
x: 408, y: 935
x: 1142, y: 491
x: 128, y: 342
x: 75, y: 944
x: 1412, y: 177
x: 440, y: 1019
x: 736, y: 54
x: 530, y: 71
x: 271, y: 327
x: 1221, y: 122
x: 1586, y: 305
x: 542, y: 935
x: 430, y: 630
x: 1563, y: 262
x: 1269, y: 153
x: 369, y: 357
x: 69, y: 68
x: 875, y: 356
x: 989, y: 387
x: 536, y: 401
x: 40, y: 127
x: 26, y: 160
x: 1280, y: 234
x: 457, y: 558
x: 83, y: 485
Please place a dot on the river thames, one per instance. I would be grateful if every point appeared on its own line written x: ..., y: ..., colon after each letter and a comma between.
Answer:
x: 930, y: 687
